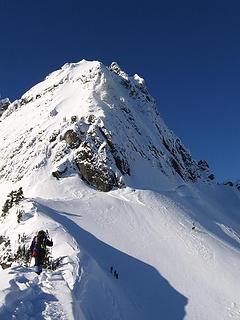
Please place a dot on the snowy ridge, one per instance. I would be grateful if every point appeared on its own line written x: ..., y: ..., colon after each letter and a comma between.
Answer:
x: 168, y: 229
x: 28, y: 294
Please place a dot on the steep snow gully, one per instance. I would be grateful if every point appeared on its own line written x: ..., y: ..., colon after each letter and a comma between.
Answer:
x: 163, y: 223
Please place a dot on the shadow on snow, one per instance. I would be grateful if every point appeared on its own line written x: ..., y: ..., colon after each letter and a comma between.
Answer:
x: 28, y: 303
x: 148, y: 294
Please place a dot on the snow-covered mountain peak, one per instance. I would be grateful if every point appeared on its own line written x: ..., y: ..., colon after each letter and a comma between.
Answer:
x: 98, y: 122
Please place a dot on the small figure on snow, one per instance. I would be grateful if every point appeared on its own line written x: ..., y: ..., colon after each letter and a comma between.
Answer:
x: 193, y: 226
x: 116, y: 274
x: 111, y: 269
x: 38, y: 249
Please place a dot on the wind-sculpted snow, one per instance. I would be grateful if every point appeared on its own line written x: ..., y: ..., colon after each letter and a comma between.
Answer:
x: 97, y: 122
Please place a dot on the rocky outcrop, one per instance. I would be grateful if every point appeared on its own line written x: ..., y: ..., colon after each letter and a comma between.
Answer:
x: 182, y: 162
x: 228, y: 183
x: 95, y: 173
x: 99, y: 162
x: 72, y: 139
x: 238, y: 185
x: 4, y: 103
x: 60, y: 170
x: 234, y: 185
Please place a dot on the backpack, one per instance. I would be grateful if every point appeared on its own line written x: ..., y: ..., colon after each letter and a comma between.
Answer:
x: 39, y: 243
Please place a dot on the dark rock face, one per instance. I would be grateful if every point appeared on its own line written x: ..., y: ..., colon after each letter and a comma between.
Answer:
x: 115, y: 68
x: 99, y: 160
x: 211, y: 177
x: 183, y: 164
x: 121, y: 164
x: 203, y: 164
x: 234, y: 185
x: 58, y: 174
x: 120, y: 161
x: 62, y: 170
x: 229, y: 183
x: 72, y: 139
x: 94, y: 172
x: 177, y: 167
x: 4, y: 103
x: 53, y: 136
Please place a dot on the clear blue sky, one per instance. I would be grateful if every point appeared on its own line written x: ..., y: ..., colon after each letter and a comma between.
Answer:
x: 187, y: 51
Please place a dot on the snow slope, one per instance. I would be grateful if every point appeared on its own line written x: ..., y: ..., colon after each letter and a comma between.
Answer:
x: 147, y: 237
x: 144, y: 229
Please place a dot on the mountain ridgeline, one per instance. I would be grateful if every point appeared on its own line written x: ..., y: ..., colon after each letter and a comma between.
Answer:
x: 99, y: 123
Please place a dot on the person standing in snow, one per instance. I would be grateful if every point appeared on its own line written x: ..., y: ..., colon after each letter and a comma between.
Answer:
x: 38, y: 249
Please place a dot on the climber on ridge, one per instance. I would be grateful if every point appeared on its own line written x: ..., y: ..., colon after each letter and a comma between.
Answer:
x: 38, y: 249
